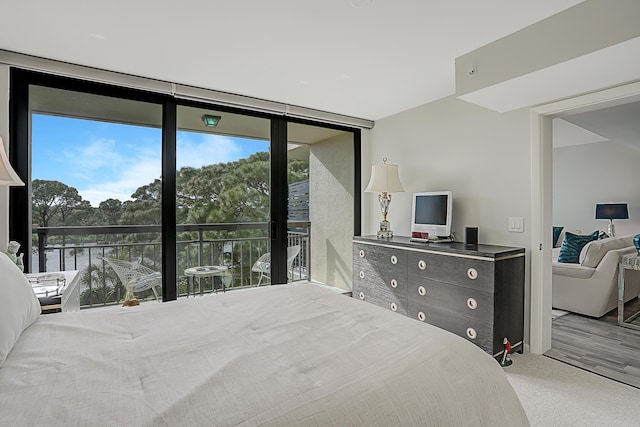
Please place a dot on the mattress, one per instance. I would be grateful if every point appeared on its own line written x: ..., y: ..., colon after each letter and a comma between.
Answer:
x: 278, y: 355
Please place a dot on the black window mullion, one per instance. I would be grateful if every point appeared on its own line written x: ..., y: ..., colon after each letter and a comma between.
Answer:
x: 20, y: 155
x: 279, y: 194
x: 357, y: 182
x: 169, y: 239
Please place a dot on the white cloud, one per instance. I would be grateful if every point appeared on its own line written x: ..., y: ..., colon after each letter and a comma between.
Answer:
x: 96, y: 196
x: 115, y: 171
x: 197, y: 150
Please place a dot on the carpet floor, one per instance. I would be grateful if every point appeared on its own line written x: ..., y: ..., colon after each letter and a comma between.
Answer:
x: 554, y: 393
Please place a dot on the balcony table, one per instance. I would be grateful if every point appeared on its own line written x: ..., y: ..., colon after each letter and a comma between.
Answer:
x: 206, y: 271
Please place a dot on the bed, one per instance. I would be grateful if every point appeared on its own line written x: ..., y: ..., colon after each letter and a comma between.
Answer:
x: 279, y: 355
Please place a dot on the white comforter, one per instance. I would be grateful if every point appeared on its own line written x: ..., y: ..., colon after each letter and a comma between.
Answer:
x: 279, y: 355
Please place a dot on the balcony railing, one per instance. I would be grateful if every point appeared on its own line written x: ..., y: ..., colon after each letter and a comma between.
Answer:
x: 235, y: 245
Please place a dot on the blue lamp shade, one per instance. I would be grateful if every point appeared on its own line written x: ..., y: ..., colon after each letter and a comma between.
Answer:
x: 612, y: 211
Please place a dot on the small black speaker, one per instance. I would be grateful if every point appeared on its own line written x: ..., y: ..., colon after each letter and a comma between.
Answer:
x: 471, y: 235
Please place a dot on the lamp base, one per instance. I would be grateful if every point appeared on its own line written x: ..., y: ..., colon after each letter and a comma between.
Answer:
x: 384, y: 232
x: 611, y: 229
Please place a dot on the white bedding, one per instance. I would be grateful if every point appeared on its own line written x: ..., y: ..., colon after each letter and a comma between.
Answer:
x: 278, y: 355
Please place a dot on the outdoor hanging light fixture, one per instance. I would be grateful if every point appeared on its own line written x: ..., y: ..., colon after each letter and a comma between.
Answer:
x: 210, y: 121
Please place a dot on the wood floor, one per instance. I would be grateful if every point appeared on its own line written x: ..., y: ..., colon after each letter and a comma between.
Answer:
x: 599, y: 345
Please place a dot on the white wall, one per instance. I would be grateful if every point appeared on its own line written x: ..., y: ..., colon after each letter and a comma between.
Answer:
x: 482, y: 156
x: 331, y: 187
x: 601, y: 172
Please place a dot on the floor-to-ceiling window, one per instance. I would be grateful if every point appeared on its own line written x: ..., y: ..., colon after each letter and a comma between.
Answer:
x: 95, y: 179
x: 174, y: 184
x: 223, y: 185
x: 321, y: 184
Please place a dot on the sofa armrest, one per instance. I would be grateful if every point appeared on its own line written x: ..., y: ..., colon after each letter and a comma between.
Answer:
x: 572, y: 270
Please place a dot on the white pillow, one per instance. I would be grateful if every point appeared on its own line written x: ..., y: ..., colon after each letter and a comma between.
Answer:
x: 19, y: 306
x: 594, y: 251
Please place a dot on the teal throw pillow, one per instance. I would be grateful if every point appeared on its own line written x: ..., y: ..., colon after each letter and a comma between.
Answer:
x: 573, y: 244
x: 556, y: 235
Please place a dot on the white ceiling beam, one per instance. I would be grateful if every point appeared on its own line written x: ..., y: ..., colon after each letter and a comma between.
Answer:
x: 587, y: 27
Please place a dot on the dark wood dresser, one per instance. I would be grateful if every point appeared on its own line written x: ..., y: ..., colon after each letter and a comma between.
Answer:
x: 476, y: 292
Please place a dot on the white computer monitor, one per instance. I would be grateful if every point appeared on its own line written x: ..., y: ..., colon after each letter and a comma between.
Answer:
x: 431, y: 213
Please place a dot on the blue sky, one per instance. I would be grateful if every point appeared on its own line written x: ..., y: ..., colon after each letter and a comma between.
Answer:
x: 107, y: 160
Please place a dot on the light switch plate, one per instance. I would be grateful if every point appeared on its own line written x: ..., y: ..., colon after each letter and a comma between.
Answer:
x: 516, y: 224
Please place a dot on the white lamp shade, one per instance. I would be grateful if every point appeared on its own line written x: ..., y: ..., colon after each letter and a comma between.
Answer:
x: 384, y: 178
x: 7, y: 175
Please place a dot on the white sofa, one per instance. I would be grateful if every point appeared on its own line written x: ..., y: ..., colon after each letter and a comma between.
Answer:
x: 591, y: 287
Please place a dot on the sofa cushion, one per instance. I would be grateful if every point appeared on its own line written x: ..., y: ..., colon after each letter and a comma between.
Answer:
x: 564, y: 231
x: 594, y: 251
x: 572, y: 270
x: 556, y: 235
x: 572, y: 246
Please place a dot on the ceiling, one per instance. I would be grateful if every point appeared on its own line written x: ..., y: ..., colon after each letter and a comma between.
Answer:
x: 363, y: 58
x: 60, y: 102
x: 619, y: 123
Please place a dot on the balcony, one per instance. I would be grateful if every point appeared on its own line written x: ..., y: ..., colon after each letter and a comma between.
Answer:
x: 236, y: 246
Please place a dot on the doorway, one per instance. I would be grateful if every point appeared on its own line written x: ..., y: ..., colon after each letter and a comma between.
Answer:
x: 542, y: 193
x: 595, y: 154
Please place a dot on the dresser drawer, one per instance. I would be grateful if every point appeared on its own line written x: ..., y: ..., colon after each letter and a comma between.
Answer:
x: 469, y: 272
x: 474, y: 330
x: 382, y: 296
x: 458, y: 299
x: 383, y: 260
x: 381, y: 265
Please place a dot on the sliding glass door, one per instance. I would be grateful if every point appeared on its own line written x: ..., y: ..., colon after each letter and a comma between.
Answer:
x: 321, y: 183
x: 209, y: 197
x: 223, y: 166
x: 95, y: 188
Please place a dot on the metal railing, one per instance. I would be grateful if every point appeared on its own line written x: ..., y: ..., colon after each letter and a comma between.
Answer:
x: 235, y: 245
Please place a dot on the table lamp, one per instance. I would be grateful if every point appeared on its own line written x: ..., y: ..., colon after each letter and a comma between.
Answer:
x: 611, y: 211
x: 7, y: 175
x: 384, y: 180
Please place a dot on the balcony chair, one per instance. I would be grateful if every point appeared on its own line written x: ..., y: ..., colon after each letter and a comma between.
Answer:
x: 135, y: 277
x: 263, y: 264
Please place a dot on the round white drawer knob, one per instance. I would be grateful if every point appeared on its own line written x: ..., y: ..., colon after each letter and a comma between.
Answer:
x: 472, y: 303
x: 361, y: 253
x: 394, y: 259
x: 362, y: 274
x: 422, y: 291
x: 472, y: 273
x: 422, y: 264
x: 421, y: 316
x: 471, y: 333
x: 394, y: 283
x: 394, y: 307
x: 361, y: 295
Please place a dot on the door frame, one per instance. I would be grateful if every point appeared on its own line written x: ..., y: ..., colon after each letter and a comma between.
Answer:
x: 542, y: 198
